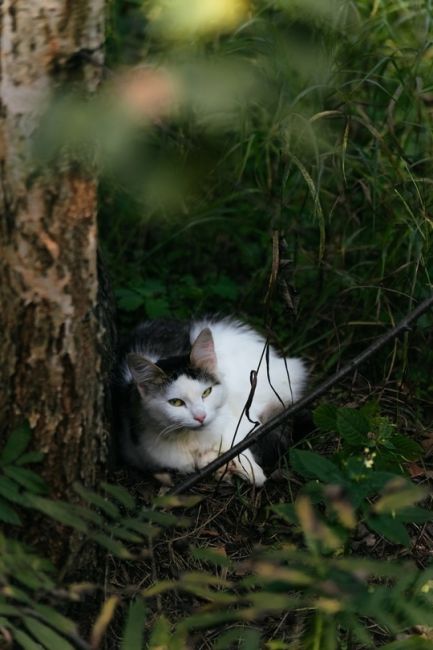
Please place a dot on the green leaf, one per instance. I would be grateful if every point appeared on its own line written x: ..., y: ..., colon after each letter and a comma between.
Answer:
x: 55, y: 619
x: 286, y: 511
x: 209, y: 619
x: 97, y: 500
x: 159, y: 588
x: 9, y: 610
x: 16, y: 444
x: 212, y: 556
x: 128, y: 300
x: 112, y: 545
x: 27, y: 479
x: 30, y: 457
x: 58, y: 510
x: 406, y: 448
x: 161, y: 634
x: 8, y: 515
x: 10, y: 491
x: 120, y: 494
x: 164, y: 518
x: 224, y: 287
x: 390, y: 528
x: 19, y: 594
x: 25, y: 641
x: 311, y: 465
x: 414, y: 515
x: 46, y: 635
x: 126, y: 535
x: 157, y: 307
x: 352, y: 426
x: 239, y: 637
x: 402, y: 497
x: 140, y: 527
x: 325, y: 417
x: 132, y: 638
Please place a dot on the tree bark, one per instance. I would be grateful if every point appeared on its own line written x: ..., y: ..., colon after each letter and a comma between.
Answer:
x: 52, y: 338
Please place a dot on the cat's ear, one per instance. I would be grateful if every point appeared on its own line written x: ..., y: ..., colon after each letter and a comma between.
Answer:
x: 143, y: 371
x: 203, y: 351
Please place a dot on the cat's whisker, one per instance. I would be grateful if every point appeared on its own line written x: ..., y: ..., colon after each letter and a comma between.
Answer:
x: 169, y: 429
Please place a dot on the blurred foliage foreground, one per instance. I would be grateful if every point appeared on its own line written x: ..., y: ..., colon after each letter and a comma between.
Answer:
x: 236, y: 142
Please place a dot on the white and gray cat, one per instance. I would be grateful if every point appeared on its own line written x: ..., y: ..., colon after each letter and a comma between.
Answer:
x: 182, y: 389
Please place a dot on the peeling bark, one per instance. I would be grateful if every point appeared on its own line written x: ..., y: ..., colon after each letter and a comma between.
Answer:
x: 51, y: 334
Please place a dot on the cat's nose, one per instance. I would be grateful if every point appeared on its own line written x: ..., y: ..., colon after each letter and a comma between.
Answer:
x: 200, y: 418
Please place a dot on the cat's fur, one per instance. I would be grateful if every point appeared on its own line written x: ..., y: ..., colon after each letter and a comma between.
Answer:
x: 172, y: 360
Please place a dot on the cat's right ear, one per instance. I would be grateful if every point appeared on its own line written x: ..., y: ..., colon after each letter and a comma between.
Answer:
x: 144, y: 372
x: 203, y: 351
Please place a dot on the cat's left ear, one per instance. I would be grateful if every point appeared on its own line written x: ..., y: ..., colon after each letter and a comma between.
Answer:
x: 144, y: 372
x: 203, y: 352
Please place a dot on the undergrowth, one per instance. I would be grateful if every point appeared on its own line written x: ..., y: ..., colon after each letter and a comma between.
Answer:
x: 318, y: 559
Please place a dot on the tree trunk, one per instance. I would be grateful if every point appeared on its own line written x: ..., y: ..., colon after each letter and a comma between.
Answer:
x: 52, y: 339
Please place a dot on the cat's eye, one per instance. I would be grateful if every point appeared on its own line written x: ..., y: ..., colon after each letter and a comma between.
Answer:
x: 207, y: 392
x: 176, y: 402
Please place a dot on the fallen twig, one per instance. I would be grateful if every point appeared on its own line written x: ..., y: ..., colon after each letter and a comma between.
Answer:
x: 321, y: 389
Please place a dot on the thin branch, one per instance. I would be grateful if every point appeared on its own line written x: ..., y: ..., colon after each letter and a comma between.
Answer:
x: 321, y: 389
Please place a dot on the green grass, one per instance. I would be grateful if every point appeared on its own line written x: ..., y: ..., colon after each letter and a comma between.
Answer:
x: 333, y: 149
x: 328, y: 141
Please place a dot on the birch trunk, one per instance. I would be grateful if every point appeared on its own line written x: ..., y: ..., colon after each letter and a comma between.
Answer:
x: 51, y: 336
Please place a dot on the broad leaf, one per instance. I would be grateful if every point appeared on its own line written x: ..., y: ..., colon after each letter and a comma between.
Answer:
x: 325, y: 417
x: 390, y: 528
x: 352, y: 426
x: 311, y: 465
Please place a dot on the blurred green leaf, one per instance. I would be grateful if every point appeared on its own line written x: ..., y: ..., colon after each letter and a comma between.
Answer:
x: 46, y: 635
x: 211, y: 555
x: 16, y: 444
x: 8, y: 515
x: 97, y: 500
x: 27, y: 479
x: 25, y: 641
x: 399, y: 493
x: 62, y: 512
x: 120, y: 493
x: 132, y: 638
x: 160, y: 635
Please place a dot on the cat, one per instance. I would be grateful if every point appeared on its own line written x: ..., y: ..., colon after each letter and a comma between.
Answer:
x: 182, y: 387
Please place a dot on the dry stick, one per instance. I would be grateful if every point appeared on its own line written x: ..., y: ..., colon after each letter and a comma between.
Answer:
x: 403, y: 326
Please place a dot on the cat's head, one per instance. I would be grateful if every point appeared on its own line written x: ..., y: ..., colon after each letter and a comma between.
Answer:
x: 180, y: 392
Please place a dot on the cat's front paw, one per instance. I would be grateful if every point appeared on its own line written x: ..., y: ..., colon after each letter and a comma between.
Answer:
x: 244, y: 466
x: 247, y: 468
